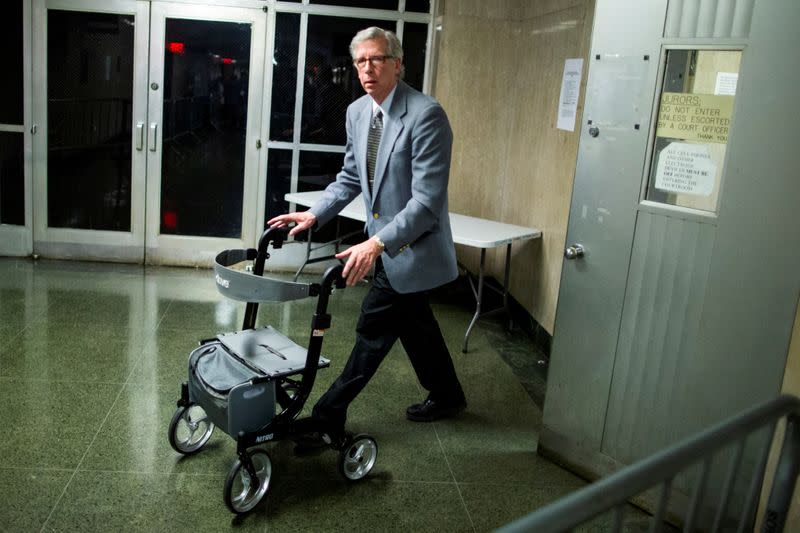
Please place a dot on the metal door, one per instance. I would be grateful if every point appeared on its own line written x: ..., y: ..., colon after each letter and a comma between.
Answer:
x: 672, y: 314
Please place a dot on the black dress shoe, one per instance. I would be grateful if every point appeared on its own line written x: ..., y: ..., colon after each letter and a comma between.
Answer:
x: 431, y: 410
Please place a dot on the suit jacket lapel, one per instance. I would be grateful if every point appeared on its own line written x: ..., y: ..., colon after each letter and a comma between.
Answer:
x: 390, y: 133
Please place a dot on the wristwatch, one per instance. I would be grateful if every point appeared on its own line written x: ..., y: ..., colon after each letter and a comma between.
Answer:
x: 379, y: 242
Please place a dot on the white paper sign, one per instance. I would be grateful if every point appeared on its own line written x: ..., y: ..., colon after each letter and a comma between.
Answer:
x: 570, y: 93
x: 686, y: 169
x: 726, y: 83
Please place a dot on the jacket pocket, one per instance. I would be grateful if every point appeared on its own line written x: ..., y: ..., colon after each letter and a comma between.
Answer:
x: 401, y: 151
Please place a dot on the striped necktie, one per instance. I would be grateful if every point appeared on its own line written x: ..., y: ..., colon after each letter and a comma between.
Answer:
x: 373, y: 142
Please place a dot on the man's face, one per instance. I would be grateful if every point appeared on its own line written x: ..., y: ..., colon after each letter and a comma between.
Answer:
x: 378, y: 80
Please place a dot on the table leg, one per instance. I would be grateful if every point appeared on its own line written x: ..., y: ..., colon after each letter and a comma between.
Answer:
x: 478, y: 299
x: 308, y: 254
x: 336, y: 242
x: 505, y: 287
x: 338, y: 232
x: 478, y: 294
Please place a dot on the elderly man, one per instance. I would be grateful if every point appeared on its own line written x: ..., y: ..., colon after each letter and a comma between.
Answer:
x: 398, y: 158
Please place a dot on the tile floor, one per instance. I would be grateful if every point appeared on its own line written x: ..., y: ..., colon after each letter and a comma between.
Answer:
x: 91, y: 360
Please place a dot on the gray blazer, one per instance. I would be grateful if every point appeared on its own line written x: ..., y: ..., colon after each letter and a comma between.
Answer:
x: 408, y: 207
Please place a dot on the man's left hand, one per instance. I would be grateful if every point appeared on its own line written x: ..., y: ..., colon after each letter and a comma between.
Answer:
x: 360, y: 259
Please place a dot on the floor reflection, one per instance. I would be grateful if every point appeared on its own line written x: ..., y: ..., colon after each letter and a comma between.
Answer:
x: 92, y: 356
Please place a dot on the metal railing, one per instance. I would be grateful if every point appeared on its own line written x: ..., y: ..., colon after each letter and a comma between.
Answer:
x: 611, y: 494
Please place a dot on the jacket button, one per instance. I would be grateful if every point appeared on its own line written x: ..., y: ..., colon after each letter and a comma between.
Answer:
x: 375, y: 215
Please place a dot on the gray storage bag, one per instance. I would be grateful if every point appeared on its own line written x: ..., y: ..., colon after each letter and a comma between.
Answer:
x: 220, y: 383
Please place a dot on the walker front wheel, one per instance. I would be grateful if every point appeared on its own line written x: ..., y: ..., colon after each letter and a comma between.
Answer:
x: 244, y: 489
x: 189, y: 429
x: 358, y: 457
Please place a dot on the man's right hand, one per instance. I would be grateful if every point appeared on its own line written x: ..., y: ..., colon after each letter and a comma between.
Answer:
x: 302, y: 219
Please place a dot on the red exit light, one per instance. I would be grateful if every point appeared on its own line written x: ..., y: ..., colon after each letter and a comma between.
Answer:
x: 175, y: 48
x: 170, y: 220
x: 227, y: 60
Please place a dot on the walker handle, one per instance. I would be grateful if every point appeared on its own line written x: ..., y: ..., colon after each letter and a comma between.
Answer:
x: 277, y: 236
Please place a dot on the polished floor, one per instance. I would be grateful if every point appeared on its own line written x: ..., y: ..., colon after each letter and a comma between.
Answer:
x: 91, y: 360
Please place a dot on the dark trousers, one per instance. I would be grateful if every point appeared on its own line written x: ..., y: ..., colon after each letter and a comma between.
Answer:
x: 387, y: 315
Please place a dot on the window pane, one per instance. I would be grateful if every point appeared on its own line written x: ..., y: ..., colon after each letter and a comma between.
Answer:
x: 206, y: 76
x: 692, y: 129
x: 89, y: 106
x: 12, y: 179
x: 279, y: 181
x: 317, y: 170
x: 418, y: 6
x: 11, y: 41
x: 331, y: 82
x: 284, y: 76
x: 371, y: 4
x: 415, y: 38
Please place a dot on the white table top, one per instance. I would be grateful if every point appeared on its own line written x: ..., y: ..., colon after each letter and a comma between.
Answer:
x: 470, y: 231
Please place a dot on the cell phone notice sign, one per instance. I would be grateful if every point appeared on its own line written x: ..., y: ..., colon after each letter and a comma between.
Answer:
x: 685, y: 168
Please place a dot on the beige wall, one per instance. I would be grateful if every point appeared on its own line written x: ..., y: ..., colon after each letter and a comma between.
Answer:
x: 499, y: 79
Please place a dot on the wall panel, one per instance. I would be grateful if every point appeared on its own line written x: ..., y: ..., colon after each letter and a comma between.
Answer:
x: 499, y: 79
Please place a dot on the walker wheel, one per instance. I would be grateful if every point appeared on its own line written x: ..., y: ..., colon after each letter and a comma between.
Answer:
x: 357, y: 457
x: 244, y: 490
x: 189, y: 429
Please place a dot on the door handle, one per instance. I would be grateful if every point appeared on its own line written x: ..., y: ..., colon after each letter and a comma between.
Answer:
x: 574, y: 251
x: 139, y: 136
x: 153, y: 135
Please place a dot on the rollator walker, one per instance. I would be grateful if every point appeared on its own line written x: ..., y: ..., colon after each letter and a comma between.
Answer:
x: 253, y: 383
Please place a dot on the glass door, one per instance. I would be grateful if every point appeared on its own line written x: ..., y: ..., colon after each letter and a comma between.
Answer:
x: 205, y: 91
x: 147, y: 117
x: 89, y: 92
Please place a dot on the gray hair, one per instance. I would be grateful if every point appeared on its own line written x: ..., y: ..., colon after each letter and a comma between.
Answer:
x: 393, y: 47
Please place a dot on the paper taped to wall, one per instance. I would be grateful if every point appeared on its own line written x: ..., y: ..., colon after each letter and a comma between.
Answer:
x: 570, y: 94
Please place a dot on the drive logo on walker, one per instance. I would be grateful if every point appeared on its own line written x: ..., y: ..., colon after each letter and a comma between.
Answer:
x: 264, y: 438
x: 222, y: 281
